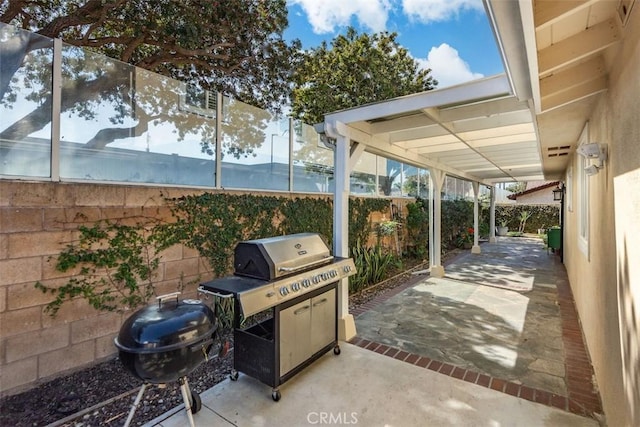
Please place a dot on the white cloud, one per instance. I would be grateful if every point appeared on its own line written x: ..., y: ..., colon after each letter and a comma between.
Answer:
x: 427, y: 11
x: 325, y: 15
x: 447, y: 67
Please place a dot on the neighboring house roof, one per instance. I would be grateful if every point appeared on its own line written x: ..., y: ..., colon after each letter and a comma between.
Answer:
x: 514, y: 196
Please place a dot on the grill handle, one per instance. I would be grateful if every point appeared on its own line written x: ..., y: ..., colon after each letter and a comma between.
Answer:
x: 215, y: 294
x: 310, y: 264
x: 163, y: 298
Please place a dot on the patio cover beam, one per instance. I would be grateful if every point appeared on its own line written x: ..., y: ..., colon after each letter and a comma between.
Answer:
x: 490, y: 87
x: 375, y: 145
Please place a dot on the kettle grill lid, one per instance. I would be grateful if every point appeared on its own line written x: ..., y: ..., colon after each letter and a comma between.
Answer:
x: 166, y: 326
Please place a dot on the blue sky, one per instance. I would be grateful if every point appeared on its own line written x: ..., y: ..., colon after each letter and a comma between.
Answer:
x: 452, y: 37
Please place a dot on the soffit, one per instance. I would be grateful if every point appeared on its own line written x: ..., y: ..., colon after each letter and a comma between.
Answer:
x: 571, y: 47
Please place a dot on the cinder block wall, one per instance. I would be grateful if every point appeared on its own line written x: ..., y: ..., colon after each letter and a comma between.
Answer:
x: 36, y: 221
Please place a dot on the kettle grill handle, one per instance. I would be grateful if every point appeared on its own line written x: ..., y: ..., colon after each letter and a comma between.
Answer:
x: 163, y: 298
x: 310, y: 264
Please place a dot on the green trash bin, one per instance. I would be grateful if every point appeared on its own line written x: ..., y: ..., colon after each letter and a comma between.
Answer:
x: 553, y: 238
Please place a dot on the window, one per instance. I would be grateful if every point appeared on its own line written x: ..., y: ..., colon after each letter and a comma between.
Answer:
x: 583, y: 196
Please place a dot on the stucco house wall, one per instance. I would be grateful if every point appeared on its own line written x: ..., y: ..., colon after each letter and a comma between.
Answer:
x: 605, y: 279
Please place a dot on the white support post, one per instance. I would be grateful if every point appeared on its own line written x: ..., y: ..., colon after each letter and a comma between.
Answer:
x: 218, y: 140
x: 346, y: 323
x: 492, y: 216
x: 436, y: 269
x: 56, y: 105
x: 476, y: 245
x: 292, y: 134
x: 431, y: 195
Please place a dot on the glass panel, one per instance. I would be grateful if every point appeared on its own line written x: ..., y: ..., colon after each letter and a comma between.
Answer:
x: 122, y: 123
x: 255, y: 148
x: 312, y: 161
x: 416, y: 183
x: 468, y: 190
x: 449, y: 188
x: 25, y: 102
x: 363, y: 176
x: 390, y: 177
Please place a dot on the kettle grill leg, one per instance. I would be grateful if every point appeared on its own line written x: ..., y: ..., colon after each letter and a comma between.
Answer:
x: 186, y: 396
x: 135, y: 405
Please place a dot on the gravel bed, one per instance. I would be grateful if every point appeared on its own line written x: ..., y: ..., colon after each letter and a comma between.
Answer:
x: 70, y: 396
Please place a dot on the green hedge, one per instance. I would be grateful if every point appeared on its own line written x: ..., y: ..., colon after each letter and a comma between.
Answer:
x: 213, y: 223
x: 542, y: 216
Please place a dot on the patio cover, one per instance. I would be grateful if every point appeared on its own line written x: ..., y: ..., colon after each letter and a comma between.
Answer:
x: 479, y: 131
x: 518, y: 126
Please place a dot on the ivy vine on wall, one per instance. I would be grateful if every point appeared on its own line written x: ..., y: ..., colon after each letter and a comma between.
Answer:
x: 117, y: 262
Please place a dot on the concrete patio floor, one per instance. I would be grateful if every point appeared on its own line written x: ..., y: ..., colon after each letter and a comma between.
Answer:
x: 465, y: 350
x: 362, y: 387
x: 495, y: 313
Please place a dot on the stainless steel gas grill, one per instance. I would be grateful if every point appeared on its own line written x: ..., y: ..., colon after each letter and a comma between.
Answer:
x: 291, y: 282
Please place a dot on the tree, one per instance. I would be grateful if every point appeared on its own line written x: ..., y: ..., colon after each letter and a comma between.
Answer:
x: 235, y: 47
x: 517, y: 187
x: 357, y: 69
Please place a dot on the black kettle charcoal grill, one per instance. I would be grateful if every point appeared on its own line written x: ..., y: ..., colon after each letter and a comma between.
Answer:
x: 165, y: 342
x: 291, y: 281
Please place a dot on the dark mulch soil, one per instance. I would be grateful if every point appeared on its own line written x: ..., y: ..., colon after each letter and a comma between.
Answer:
x: 79, y: 397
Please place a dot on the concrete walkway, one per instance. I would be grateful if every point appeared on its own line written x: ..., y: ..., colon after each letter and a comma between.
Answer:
x: 361, y: 387
x: 504, y: 317
x: 439, y: 353
x: 508, y: 334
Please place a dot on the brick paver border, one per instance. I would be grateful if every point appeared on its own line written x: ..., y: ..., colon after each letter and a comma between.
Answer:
x: 583, y: 398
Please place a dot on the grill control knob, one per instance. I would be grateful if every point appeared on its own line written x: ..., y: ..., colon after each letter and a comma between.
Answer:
x: 333, y: 273
x: 295, y: 287
x: 284, y: 291
x: 316, y: 279
x: 325, y: 276
x: 306, y: 283
x: 346, y: 268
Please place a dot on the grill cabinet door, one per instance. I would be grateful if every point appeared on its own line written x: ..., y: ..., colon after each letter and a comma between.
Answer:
x: 295, y: 340
x: 323, y: 320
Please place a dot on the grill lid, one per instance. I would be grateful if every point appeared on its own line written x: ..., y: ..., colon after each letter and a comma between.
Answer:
x: 275, y: 257
x: 166, y: 326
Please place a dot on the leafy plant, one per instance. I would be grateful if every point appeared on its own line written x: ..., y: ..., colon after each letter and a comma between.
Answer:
x: 386, y: 228
x: 372, y: 265
x: 417, y: 224
x: 117, y: 265
x: 465, y: 237
x: 524, y: 216
x: 360, y: 210
x: 118, y: 262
